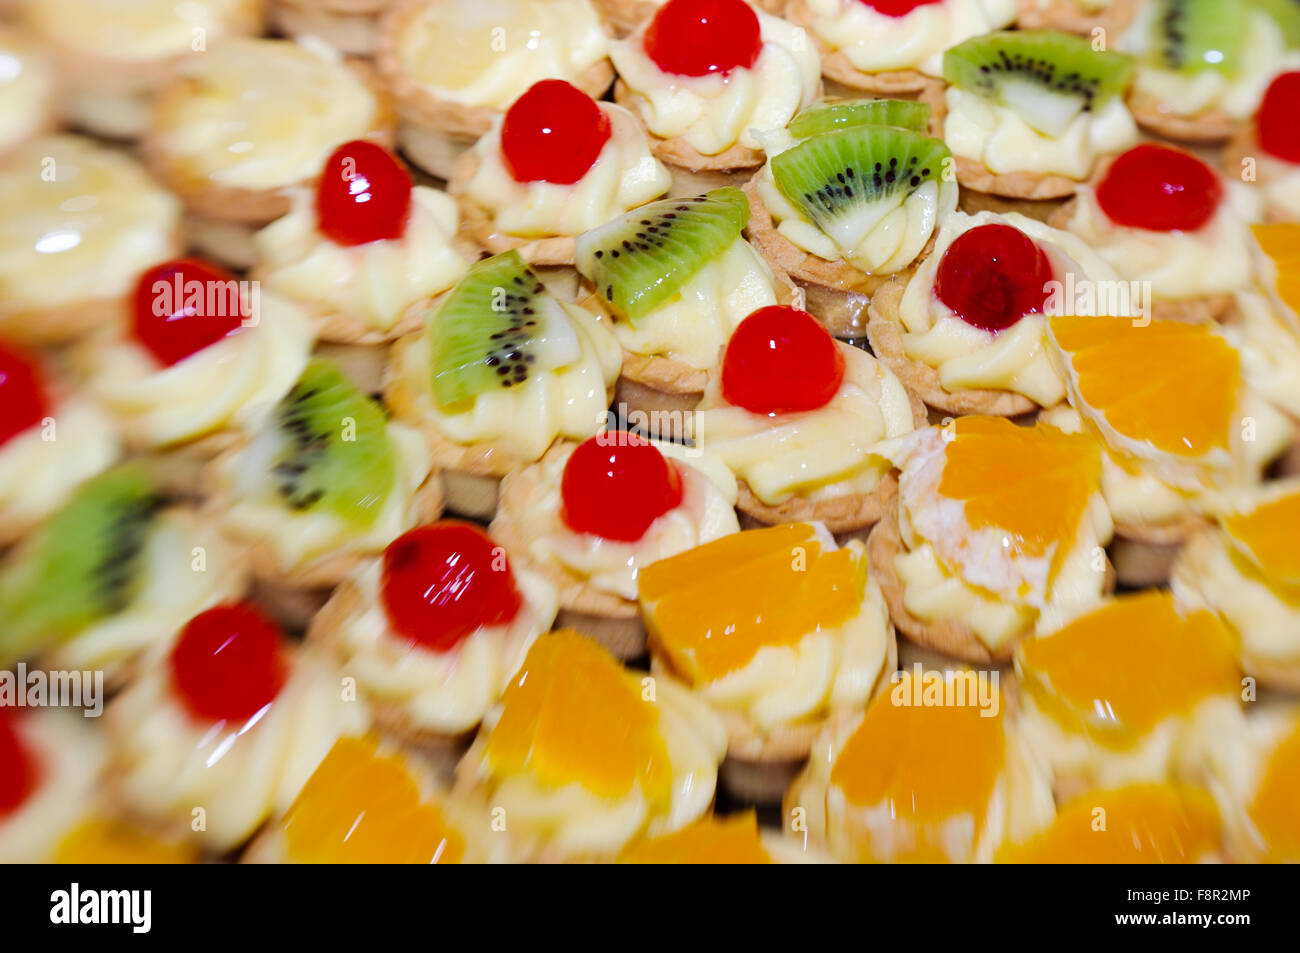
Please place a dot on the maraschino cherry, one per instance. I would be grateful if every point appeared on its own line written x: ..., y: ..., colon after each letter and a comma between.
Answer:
x: 897, y: 8
x: 19, y: 770
x: 229, y: 663
x: 442, y: 583
x: 781, y: 360
x: 992, y: 276
x: 1279, y: 133
x: 1159, y: 188
x: 364, y: 194
x: 553, y: 133
x: 616, y: 484
x: 23, y: 401
x: 698, y: 37
x: 172, y: 301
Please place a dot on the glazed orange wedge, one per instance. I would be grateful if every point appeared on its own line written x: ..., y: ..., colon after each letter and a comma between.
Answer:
x: 1269, y: 536
x: 1171, y: 386
x: 711, y: 840
x: 104, y: 841
x: 1281, y: 245
x: 1273, y: 810
x: 364, y: 807
x: 573, y: 715
x: 1137, y: 824
x: 711, y: 609
x: 1117, y: 672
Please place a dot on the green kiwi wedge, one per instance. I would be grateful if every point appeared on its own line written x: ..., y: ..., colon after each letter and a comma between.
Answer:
x: 1047, y: 78
x: 497, y: 328
x: 333, y: 453
x: 829, y: 115
x: 846, y: 181
x: 1197, y: 35
x: 82, y: 566
x: 640, y: 260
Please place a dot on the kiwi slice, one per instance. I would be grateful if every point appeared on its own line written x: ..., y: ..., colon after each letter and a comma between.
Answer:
x: 641, y: 259
x: 497, y: 327
x: 82, y: 566
x: 848, y: 180
x: 334, y: 454
x: 1197, y: 35
x: 828, y: 115
x: 1286, y: 14
x: 1045, y: 77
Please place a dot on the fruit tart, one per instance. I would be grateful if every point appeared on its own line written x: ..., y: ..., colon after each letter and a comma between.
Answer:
x: 434, y: 630
x: 501, y: 371
x: 27, y: 90
x: 705, y: 76
x: 852, y: 193
x: 591, y: 517
x: 584, y: 757
x: 112, y: 573
x: 997, y: 535
x: 454, y: 66
x: 365, y: 250
x: 1203, y: 65
x: 935, y: 771
x: 1245, y: 569
x: 221, y: 730
x: 779, y: 631
x: 1179, y: 424
x: 1099, y: 724
x: 1076, y: 16
x: 325, y: 482
x: 113, y: 57
x: 50, y: 443
x: 249, y: 118
x: 558, y: 163
x: 892, y: 47
x: 799, y: 417
x: 81, y: 222
x: 1028, y: 114
x: 1267, y: 150
x: 350, y: 26
x: 676, y: 277
x: 967, y: 331
x: 1161, y: 216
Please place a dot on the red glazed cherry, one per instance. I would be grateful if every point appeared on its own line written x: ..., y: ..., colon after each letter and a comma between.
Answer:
x: 616, y: 484
x: 228, y: 663
x: 364, y: 194
x: 1159, y: 189
x: 1279, y: 133
x: 184, y: 306
x: 18, y: 766
x: 444, y: 582
x: 23, y: 403
x: 781, y: 360
x: 992, y: 276
x: 553, y: 133
x: 698, y: 37
x: 897, y: 8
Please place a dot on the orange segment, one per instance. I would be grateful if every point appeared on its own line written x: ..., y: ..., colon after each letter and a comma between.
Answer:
x: 1269, y: 535
x: 1031, y: 483
x: 711, y: 840
x: 930, y: 767
x: 711, y: 609
x: 1281, y: 243
x: 363, y: 807
x: 1171, y: 385
x: 574, y: 715
x: 1118, y: 671
x: 1138, y: 824
x: 1273, y: 811
x: 103, y: 841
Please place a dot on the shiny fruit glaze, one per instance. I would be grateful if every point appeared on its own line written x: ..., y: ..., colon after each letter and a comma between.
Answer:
x: 364, y: 194
x: 992, y: 276
x: 1279, y: 133
x: 698, y: 37
x: 616, y: 484
x: 897, y: 8
x: 553, y: 133
x: 442, y: 583
x: 1160, y: 189
x: 228, y: 663
x: 18, y: 766
x: 172, y: 305
x: 781, y: 360
x: 23, y: 402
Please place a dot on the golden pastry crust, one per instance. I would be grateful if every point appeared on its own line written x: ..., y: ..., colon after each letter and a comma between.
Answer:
x: 350, y: 26
x: 1070, y: 17
x: 478, y: 225
x: 677, y: 153
x: 222, y: 203
x: 885, y: 332
x: 1209, y: 127
x: 838, y: 68
x: 841, y: 514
